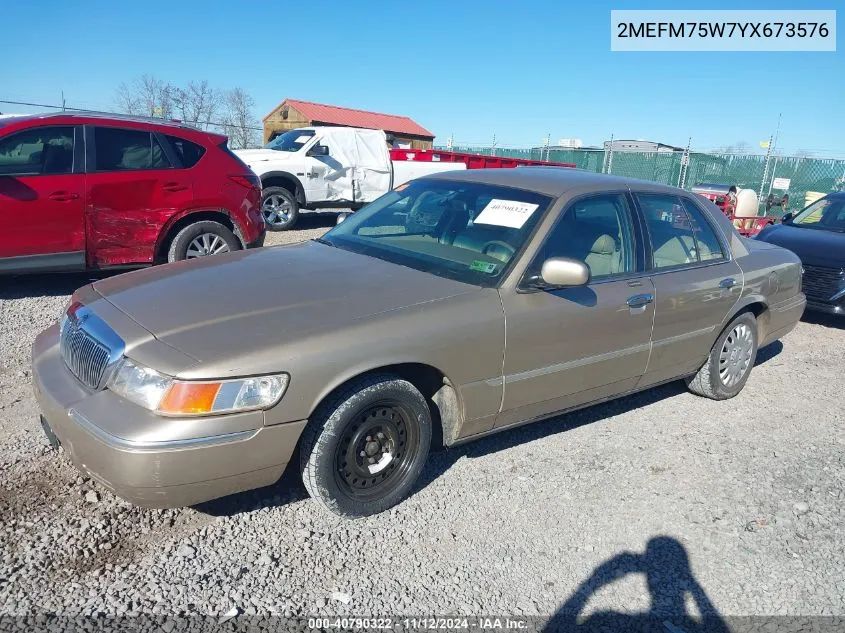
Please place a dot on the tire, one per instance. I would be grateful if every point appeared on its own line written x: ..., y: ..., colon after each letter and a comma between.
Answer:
x: 342, y: 440
x: 201, y: 239
x: 279, y: 208
x: 738, y: 344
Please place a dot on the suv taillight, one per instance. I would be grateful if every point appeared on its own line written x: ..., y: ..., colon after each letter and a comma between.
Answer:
x: 249, y: 181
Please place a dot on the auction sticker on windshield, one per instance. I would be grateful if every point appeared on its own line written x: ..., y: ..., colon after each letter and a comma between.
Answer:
x: 511, y: 213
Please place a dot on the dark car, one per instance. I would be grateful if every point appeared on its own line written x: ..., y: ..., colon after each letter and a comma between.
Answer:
x: 88, y: 191
x: 817, y: 236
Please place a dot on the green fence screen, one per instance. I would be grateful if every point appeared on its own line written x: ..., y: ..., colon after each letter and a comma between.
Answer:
x: 823, y: 175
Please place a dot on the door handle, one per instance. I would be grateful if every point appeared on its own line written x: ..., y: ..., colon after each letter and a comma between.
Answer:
x: 173, y: 186
x: 730, y: 282
x: 63, y: 196
x: 640, y: 301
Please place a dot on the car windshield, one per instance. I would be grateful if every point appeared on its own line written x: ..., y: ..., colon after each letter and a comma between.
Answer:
x: 469, y: 232
x: 290, y: 141
x: 827, y: 214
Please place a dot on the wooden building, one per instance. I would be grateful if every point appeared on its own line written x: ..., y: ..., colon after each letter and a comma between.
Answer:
x: 291, y: 114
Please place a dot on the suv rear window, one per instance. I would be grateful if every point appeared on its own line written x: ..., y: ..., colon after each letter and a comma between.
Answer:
x: 120, y: 149
x: 224, y: 147
x: 189, y: 153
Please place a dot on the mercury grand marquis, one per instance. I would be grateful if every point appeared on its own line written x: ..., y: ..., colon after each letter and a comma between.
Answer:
x: 453, y: 307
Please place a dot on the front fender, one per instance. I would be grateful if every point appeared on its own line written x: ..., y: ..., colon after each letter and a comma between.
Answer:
x: 291, y: 177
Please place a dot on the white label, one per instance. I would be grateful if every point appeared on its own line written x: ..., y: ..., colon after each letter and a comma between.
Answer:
x: 506, y: 213
x: 302, y: 139
x: 781, y: 184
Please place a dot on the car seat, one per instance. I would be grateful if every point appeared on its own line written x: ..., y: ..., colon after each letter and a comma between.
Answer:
x: 56, y: 159
x: 604, y: 257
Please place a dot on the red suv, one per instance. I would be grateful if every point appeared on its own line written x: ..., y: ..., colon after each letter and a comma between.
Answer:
x: 85, y: 191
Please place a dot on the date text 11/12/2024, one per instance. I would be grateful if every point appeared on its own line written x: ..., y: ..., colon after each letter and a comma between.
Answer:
x: 419, y: 623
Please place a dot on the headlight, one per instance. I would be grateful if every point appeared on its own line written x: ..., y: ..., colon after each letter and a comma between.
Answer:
x: 168, y: 396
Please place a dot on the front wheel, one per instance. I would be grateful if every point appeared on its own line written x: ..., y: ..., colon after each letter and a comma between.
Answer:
x: 279, y: 208
x: 730, y: 361
x: 365, y: 447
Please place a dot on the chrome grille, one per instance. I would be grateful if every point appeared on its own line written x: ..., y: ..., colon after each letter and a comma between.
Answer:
x: 822, y: 283
x: 84, y: 356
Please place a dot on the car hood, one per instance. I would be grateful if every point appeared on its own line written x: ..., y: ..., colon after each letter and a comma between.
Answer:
x: 250, y: 156
x: 224, y: 306
x: 813, y: 246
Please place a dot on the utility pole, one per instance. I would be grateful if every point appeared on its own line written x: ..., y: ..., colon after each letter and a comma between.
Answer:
x: 63, y: 100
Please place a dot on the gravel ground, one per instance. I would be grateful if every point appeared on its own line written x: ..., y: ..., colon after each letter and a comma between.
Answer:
x: 619, y: 507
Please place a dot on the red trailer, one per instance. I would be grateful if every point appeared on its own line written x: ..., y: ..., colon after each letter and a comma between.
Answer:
x: 472, y: 161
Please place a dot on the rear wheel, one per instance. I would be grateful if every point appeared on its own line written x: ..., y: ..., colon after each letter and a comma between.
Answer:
x: 279, y: 208
x: 365, y: 448
x: 201, y: 239
x: 730, y: 361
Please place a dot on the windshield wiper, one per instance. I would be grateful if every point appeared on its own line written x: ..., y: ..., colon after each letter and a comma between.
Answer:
x: 323, y: 240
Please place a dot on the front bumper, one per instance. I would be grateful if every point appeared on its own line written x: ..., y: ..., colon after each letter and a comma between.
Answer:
x: 827, y: 308
x: 148, y: 471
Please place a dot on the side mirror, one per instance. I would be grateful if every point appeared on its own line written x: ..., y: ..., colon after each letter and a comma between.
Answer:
x: 564, y: 272
x: 318, y: 150
x: 561, y: 272
x: 786, y: 217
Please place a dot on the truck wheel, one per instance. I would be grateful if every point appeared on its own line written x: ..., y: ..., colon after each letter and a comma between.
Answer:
x: 729, y: 364
x: 365, y: 447
x: 200, y: 239
x: 279, y: 208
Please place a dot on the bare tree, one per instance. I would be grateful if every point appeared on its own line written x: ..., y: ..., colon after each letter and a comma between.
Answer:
x: 146, y: 96
x: 239, y: 121
x: 197, y: 103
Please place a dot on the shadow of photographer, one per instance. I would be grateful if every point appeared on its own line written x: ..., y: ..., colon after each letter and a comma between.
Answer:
x: 665, y: 565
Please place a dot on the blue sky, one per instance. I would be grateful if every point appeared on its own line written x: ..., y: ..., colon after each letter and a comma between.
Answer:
x: 467, y: 68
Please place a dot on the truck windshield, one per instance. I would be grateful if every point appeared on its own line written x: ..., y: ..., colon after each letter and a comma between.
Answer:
x: 290, y: 141
x: 465, y: 231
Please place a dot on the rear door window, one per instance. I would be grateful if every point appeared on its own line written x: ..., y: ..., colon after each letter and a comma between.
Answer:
x: 119, y: 149
x: 673, y: 241
x: 37, y: 151
x: 709, y: 247
x: 187, y: 152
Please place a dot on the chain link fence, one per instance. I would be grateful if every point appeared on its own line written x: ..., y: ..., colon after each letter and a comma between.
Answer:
x: 685, y: 169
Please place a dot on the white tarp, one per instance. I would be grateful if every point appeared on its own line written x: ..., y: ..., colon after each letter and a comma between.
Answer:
x: 358, y: 165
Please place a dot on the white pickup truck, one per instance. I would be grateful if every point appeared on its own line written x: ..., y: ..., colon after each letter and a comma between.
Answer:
x: 328, y: 168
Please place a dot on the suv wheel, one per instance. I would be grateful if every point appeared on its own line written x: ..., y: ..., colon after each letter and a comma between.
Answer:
x: 279, y: 208
x: 365, y: 447
x: 730, y: 361
x: 200, y: 239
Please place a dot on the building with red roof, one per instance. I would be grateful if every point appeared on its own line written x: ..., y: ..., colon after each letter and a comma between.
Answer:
x: 292, y: 113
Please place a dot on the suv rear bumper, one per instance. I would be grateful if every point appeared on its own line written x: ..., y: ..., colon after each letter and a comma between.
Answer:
x: 257, y: 242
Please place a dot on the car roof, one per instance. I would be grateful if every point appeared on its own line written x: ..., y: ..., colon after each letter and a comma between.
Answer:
x: 17, y: 123
x: 552, y: 181
x: 84, y: 116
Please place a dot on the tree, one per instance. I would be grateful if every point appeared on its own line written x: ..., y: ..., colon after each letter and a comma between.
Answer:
x: 239, y: 121
x: 196, y: 104
x: 146, y: 96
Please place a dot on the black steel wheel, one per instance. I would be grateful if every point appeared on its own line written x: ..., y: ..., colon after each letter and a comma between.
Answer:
x: 365, y: 446
x: 376, y: 451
